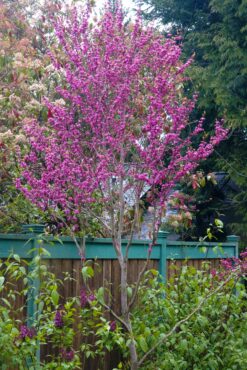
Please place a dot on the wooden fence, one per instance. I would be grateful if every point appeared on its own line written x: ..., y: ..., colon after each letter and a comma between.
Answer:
x: 65, y: 258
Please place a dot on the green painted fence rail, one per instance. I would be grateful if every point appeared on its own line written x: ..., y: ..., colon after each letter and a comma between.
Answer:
x: 97, y: 248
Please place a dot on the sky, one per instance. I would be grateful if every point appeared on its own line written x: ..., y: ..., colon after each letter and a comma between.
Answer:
x: 127, y: 4
x: 131, y: 6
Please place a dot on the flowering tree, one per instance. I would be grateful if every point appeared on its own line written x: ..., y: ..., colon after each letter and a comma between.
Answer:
x: 122, y: 130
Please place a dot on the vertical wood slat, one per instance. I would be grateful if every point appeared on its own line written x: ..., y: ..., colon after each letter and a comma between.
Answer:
x: 196, y: 263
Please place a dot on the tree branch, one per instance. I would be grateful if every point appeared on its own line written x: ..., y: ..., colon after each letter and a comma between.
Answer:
x: 141, y: 273
x: 115, y: 315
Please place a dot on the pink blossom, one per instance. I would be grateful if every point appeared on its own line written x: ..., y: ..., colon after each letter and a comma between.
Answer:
x: 213, y: 272
x: 123, y: 119
x: 113, y: 325
x: 243, y: 254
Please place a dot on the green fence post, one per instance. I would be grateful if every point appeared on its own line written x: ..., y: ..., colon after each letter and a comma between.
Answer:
x: 33, y: 284
x: 162, y: 241
x: 33, y: 287
x: 32, y: 308
x: 234, y: 240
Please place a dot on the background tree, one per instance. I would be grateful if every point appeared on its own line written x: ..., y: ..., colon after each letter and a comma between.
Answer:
x: 121, y: 131
x: 26, y: 74
x: 215, y: 32
x: 19, y: 64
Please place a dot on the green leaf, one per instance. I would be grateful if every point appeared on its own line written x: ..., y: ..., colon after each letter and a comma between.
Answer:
x: 215, y: 249
x: 41, y: 306
x: 219, y: 223
x: 100, y: 294
x: 16, y: 257
x: 2, y: 279
x: 88, y: 354
x: 58, y: 240
x: 23, y: 270
x: 154, y: 272
x: 44, y: 252
x: 203, y: 249
x: 55, y: 297
x: 203, y: 182
x: 87, y: 272
x: 129, y: 291
x: 143, y: 344
x: 6, y: 302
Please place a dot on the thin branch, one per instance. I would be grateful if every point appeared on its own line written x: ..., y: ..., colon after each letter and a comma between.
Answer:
x: 111, y: 212
x: 141, y: 273
x: 88, y: 211
x: 121, y: 201
x: 121, y: 212
x: 115, y: 315
x: 144, y: 266
x: 100, y: 219
x: 137, y: 209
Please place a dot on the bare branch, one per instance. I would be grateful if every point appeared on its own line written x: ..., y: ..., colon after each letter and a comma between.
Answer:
x: 141, y: 273
x: 132, y: 230
x: 115, y: 315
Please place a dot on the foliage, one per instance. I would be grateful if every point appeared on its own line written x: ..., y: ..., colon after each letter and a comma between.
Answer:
x: 26, y: 75
x: 21, y: 72
x: 56, y: 322
x: 197, y: 208
x: 213, y: 338
x: 211, y: 30
x: 215, y: 31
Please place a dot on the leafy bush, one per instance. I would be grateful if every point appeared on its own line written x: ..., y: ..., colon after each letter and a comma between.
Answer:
x: 56, y: 322
x: 198, y: 320
x: 214, y: 338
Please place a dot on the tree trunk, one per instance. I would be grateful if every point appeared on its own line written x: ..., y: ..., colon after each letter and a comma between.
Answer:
x: 126, y: 315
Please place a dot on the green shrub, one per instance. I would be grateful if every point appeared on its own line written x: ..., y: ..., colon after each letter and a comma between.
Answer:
x: 56, y: 321
x: 214, y: 338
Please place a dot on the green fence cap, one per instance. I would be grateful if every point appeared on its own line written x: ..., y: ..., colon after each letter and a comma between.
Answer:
x: 33, y: 228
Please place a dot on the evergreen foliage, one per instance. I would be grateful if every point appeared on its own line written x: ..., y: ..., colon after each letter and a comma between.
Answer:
x: 216, y: 33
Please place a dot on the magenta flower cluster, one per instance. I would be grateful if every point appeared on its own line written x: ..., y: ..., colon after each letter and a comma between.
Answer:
x: 232, y: 264
x: 26, y: 332
x: 86, y: 299
x: 124, y: 118
x: 67, y: 354
x: 113, y: 325
x: 58, y: 319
